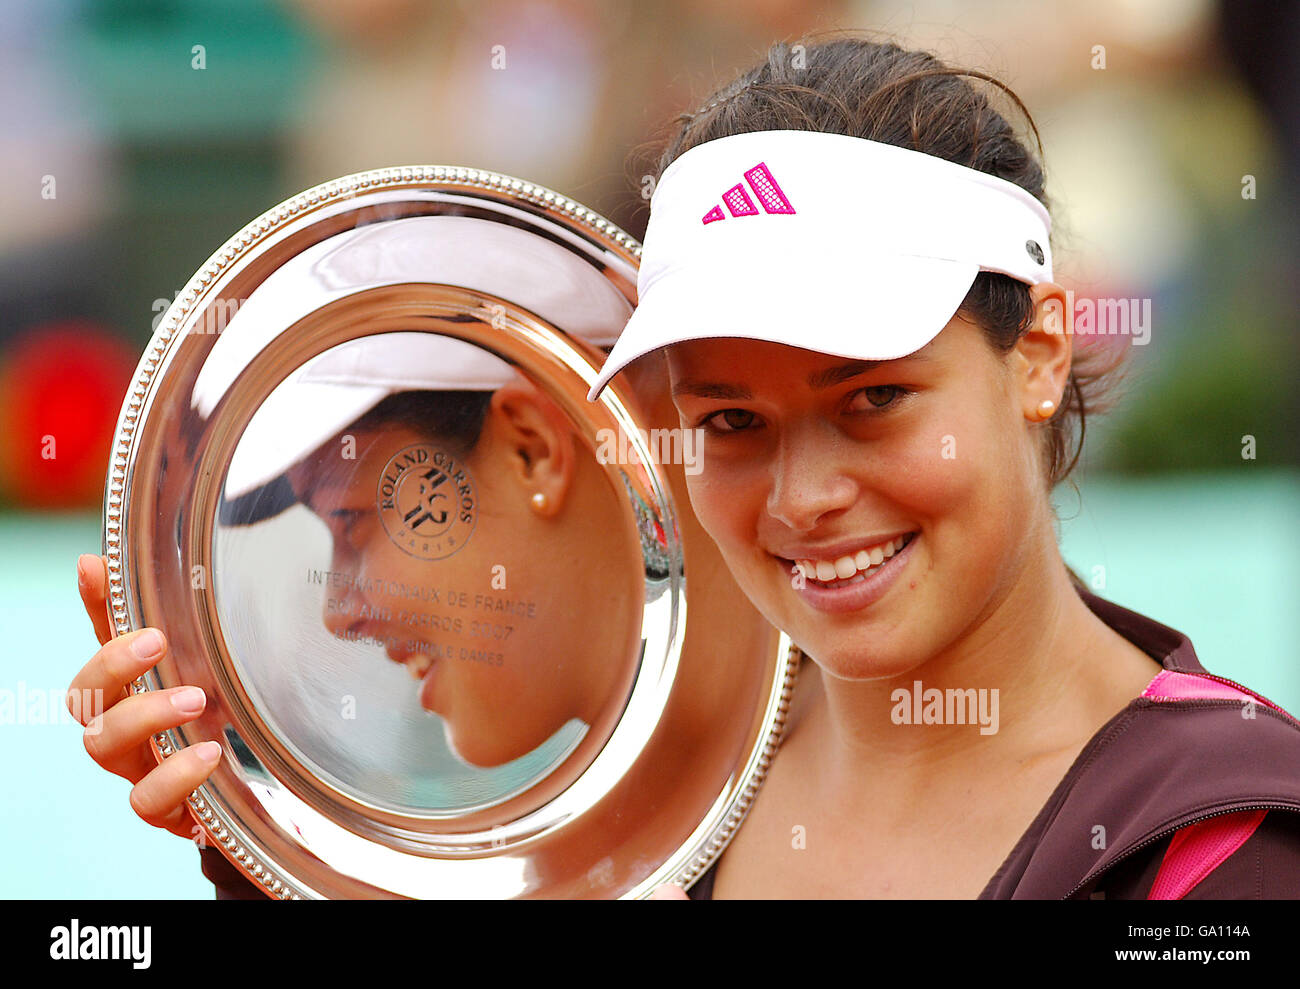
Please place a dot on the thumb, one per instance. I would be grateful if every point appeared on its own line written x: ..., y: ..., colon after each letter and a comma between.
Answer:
x: 669, y: 891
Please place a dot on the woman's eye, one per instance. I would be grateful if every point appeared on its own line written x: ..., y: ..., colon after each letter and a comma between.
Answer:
x: 880, y: 396
x: 346, y: 517
x: 741, y: 420
x: 736, y: 420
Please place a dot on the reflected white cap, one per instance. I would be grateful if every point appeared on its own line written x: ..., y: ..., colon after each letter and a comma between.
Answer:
x: 822, y: 241
x: 332, y: 390
x: 340, y: 385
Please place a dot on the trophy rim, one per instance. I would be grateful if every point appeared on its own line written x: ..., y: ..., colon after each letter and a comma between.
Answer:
x: 714, y: 832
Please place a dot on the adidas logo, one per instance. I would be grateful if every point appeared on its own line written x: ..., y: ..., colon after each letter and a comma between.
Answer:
x: 761, y: 180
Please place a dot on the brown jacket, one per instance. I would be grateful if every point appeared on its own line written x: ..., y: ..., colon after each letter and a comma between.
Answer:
x: 1156, y: 767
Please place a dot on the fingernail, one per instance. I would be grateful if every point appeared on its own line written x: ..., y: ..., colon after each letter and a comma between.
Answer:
x: 147, y: 644
x: 208, y: 751
x: 81, y: 570
x: 188, y: 701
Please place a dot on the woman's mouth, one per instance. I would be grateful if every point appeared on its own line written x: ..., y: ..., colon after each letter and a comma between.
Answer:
x: 853, y: 581
x: 422, y: 667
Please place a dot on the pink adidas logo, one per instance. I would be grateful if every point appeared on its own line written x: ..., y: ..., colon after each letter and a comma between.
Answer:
x: 737, y: 200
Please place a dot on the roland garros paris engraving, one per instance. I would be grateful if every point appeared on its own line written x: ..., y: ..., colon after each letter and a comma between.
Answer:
x: 426, y: 502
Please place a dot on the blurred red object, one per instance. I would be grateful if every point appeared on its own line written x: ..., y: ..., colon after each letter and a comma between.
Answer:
x: 61, y: 387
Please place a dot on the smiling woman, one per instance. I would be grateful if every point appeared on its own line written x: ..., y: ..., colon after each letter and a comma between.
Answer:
x: 891, y: 512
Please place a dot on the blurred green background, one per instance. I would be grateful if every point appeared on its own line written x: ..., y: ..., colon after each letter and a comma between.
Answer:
x: 139, y: 134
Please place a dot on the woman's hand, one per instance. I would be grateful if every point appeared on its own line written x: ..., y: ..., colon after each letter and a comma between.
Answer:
x: 118, y: 738
x: 669, y: 891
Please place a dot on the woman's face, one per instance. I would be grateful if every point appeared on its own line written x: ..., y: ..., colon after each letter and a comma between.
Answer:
x: 494, y: 654
x: 812, y: 457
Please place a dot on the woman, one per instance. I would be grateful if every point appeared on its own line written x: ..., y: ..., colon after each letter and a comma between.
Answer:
x: 848, y: 275
x: 463, y: 467
x: 847, y: 270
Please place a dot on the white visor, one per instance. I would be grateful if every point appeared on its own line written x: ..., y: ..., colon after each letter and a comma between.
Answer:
x: 340, y: 385
x: 822, y: 241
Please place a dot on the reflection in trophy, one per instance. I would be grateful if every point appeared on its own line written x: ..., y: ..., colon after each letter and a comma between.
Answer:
x: 452, y: 501
x: 379, y: 464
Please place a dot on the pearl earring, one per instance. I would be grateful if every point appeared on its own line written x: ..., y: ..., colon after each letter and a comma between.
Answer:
x: 539, y: 501
x: 1045, y: 408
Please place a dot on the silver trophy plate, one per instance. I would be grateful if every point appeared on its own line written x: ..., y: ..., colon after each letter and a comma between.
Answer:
x: 443, y: 631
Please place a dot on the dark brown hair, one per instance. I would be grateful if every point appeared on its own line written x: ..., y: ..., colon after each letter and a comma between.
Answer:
x: 879, y: 91
x: 453, y: 418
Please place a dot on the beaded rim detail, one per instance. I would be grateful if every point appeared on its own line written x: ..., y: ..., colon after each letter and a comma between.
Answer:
x: 722, y: 834
x: 214, y: 822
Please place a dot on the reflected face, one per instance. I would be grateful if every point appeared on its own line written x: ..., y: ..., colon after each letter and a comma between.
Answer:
x: 420, y: 537
x: 900, y: 486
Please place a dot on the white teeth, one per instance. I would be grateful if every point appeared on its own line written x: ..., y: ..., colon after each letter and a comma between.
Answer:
x: 418, y: 665
x: 847, y: 566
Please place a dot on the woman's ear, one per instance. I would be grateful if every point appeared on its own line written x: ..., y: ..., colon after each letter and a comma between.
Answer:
x: 535, y: 438
x: 1043, y: 353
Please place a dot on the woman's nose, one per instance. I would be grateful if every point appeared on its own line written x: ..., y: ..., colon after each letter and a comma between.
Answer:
x: 341, y: 614
x: 808, y: 484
